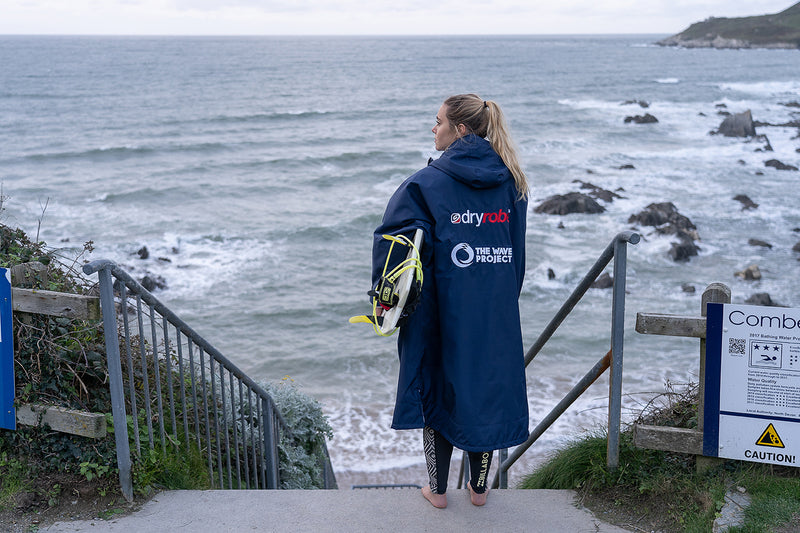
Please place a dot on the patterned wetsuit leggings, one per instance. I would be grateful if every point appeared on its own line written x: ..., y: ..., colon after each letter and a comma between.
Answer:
x: 438, y: 451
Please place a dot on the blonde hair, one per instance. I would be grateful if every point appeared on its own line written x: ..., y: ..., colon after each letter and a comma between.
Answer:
x: 485, y: 119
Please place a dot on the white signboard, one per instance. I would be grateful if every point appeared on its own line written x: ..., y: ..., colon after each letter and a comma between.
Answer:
x: 752, y: 396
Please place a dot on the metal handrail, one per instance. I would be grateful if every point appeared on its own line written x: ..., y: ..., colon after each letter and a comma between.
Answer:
x: 616, y: 250
x: 245, y: 426
x: 164, y: 311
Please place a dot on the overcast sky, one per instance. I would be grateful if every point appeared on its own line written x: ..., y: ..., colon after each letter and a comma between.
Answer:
x: 366, y: 17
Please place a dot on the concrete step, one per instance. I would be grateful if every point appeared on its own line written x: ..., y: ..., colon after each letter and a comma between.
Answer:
x: 363, y: 510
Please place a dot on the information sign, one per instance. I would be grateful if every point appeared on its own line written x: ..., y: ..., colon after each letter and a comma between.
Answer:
x: 752, y: 384
x: 8, y: 417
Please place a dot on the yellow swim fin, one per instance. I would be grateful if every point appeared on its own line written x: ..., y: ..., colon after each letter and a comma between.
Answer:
x: 364, y: 319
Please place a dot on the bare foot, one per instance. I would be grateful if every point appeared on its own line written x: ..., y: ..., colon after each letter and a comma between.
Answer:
x: 437, y: 500
x: 475, y: 498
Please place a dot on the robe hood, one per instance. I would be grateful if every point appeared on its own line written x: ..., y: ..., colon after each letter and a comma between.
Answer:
x: 472, y: 161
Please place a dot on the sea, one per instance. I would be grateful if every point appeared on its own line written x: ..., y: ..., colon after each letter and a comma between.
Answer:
x: 254, y: 170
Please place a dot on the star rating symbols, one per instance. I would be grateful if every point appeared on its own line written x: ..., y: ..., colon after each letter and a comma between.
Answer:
x: 766, y: 352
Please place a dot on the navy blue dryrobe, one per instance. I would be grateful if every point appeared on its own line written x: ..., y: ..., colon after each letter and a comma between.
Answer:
x: 461, y: 357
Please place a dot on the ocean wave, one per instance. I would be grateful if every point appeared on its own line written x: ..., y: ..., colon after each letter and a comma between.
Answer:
x: 268, y: 117
x: 121, y: 153
x: 131, y: 195
x: 40, y: 96
x: 764, y: 88
x: 590, y: 103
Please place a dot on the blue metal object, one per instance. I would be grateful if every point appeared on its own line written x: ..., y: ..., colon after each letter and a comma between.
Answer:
x: 8, y: 415
x: 212, y: 407
x: 501, y: 475
x: 616, y: 250
x: 115, y: 383
x: 617, y: 335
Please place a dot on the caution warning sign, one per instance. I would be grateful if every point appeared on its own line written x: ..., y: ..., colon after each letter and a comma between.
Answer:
x: 770, y: 437
x: 752, y: 384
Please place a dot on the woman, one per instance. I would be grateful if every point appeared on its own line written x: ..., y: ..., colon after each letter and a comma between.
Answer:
x: 462, y: 375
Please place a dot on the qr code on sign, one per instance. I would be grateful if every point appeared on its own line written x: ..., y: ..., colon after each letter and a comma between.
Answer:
x: 737, y: 346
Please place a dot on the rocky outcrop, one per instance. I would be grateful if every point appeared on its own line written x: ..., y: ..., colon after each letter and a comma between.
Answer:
x: 152, y: 282
x: 774, y: 163
x: 780, y: 30
x: 746, y: 202
x: 759, y: 242
x: 598, y: 193
x: 738, y: 125
x: 605, y: 281
x: 641, y: 103
x: 683, y: 250
x: 565, y: 204
x: 751, y: 273
x: 764, y: 139
x: 647, y: 118
x: 668, y: 221
x: 762, y: 298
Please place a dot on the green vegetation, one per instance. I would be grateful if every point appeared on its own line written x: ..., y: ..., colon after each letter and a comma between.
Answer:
x: 13, y: 478
x: 780, y: 29
x: 174, y: 469
x: 301, y: 453
x: 57, y: 361
x: 61, y: 362
x: 660, y: 490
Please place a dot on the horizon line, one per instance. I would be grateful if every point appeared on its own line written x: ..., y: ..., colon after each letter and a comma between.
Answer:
x: 233, y: 35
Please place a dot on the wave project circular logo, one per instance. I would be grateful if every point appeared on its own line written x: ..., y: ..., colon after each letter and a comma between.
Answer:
x: 462, y: 255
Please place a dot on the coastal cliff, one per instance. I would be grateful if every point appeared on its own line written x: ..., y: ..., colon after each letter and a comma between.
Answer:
x: 780, y: 30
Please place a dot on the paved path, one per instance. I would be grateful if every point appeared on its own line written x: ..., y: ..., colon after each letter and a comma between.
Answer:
x: 366, y: 510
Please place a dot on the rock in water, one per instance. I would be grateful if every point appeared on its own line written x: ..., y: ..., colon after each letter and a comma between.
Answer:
x: 647, y: 118
x: 762, y: 298
x: 738, y: 125
x: 605, y: 281
x: 759, y: 242
x: 751, y: 273
x: 573, y: 202
x: 667, y: 221
x: 747, y: 203
x: 774, y: 163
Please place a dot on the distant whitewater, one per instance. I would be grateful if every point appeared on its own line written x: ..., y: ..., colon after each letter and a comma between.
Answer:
x: 255, y: 169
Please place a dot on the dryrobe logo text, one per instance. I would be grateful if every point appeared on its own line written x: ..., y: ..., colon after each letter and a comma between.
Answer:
x: 477, y: 219
x: 464, y: 255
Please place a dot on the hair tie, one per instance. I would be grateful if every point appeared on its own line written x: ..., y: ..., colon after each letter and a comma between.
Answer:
x: 485, y: 104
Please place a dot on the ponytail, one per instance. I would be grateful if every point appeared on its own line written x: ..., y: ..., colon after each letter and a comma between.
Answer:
x: 485, y: 119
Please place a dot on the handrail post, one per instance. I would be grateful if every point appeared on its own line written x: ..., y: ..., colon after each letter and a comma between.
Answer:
x: 579, y: 388
x: 270, y: 444
x: 617, y: 338
x: 617, y: 250
x: 115, y: 381
x: 503, y: 473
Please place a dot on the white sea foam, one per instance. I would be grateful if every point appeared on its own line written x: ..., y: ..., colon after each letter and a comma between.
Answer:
x: 764, y: 89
